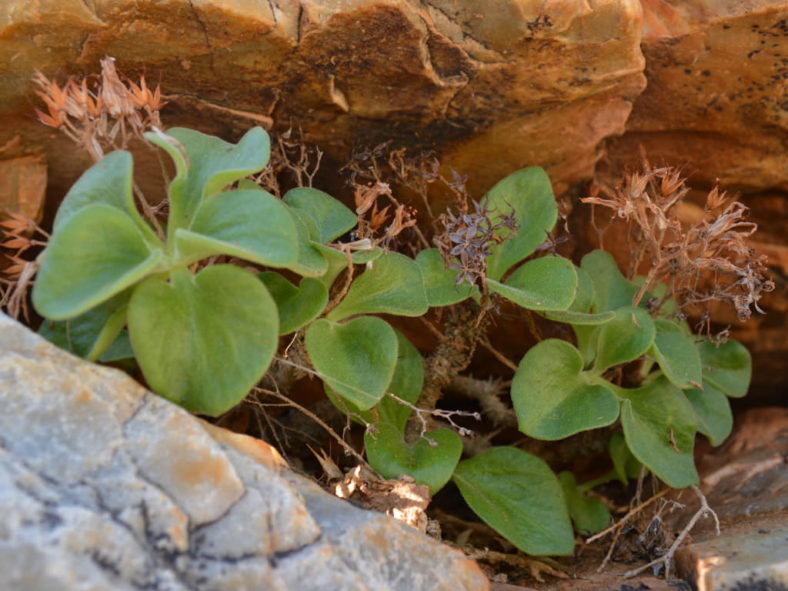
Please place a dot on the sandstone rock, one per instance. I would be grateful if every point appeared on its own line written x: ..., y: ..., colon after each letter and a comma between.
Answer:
x: 715, y: 100
x: 23, y: 183
x: 489, y: 84
x: 104, y: 485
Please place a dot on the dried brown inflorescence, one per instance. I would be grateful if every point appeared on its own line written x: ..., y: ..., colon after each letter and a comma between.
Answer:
x: 104, y: 118
x: 378, y: 222
x: 704, y: 262
x: 19, y: 235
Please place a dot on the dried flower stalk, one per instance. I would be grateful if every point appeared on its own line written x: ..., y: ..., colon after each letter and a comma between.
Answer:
x: 705, y: 262
x: 19, y: 236
x: 102, y: 119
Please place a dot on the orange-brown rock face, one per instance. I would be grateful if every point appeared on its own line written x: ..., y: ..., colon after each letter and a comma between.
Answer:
x: 716, y: 101
x: 493, y: 86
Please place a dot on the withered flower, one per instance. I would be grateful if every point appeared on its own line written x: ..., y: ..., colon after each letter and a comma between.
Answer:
x: 705, y: 261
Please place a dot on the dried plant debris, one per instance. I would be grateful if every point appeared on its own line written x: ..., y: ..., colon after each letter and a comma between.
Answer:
x: 19, y: 235
x: 400, y: 498
x: 103, y: 118
x: 372, y: 219
x: 706, y: 262
x: 294, y: 163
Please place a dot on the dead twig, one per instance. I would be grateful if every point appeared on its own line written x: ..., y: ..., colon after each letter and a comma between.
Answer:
x: 667, y: 558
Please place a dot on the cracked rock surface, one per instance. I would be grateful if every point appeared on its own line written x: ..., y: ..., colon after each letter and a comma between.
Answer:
x: 104, y: 485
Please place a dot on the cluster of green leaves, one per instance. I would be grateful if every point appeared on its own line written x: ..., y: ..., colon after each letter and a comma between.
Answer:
x: 114, y: 288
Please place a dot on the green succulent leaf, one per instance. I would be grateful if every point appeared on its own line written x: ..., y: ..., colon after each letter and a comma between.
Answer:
x: 625, y: 465
x: 589, y: 515
x: 330, y: 216
x: 393, y: 285
x: 405, y: 384
x: 728, y: 367
x: 529, y: 194
x: 205, y: 165
x: 251, y: 225
x: 91, y: 333
x: 554, y: 398
x: 440, y: 283
x: 297, y: 306
x: 109, y: 181
x: 119, y: 350
x: 713, y: 412
x: 579, y: 313
x: 430, y: 460
x: 97, y: 253
x: 659, y: 426
x: 203, y: 341
x: 355, y: 359
x: 625, y: 338
x: 518, y: 495
x: 580, y: 318
x: 311, y: 262
x: 585, y: 295
x: 337, y: 260
x: 677, y: 354
x: 611, y: 289
x: 547, y: 283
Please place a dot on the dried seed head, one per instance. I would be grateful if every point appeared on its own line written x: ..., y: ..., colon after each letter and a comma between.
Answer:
x: 702, y: 262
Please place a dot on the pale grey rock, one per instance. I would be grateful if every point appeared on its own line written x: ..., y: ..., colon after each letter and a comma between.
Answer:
x: 197, y: 476
x: 104, y: 485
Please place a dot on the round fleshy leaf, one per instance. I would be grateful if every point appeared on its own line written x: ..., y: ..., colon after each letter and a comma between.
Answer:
x: 337, y: 260
x: 405, y: 384
x: 311, y: 262
x: 355, y: 359
x: 554, y: 398
x: 518, y: 495
x: 625, y: 338
x: 203, y: 341
x: 659, y: 427
x: 547, y: 283
x: 677, y: 354
x: 430, y: 460
x: 209, y: 165
x: 611, y: 289
x: 119, y: 350
x: 91, y: 333
x: 297, y: 306
x: 713, y: 411
x: 625, y: 465
x: 589, y: 515
x: 579, y: 313
x: 393, y: 285
x: 109, y: 182
x: 579, y: 318
x: 529, y: 195
x: 96, y: 254
x: 331, y: 217
x: 251, y: 225
x: 440, y: 283
x: 727, y: 367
